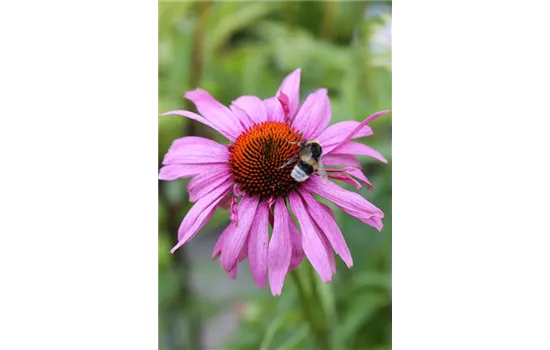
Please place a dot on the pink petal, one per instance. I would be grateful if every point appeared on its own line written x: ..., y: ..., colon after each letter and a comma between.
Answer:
x: 200, y: 213
x: 201, y: 119
x: 217, y: 114
x: 280, y: 248
x: 231, y: 247
x: 328, y: 226
x: 350, y: 202
x: 358, y: 174
x: 314, y: 114
x: 341, y: 160
x: 335, y: 134
x: 311, y: 242
x: 233, y: 214
x: 328, y: 249
x: 274, y: 110
x: 244, y: 119
x: 218, y: 247
x: 242, y: 255
x: 258, y: 245
x: 291, y: 88
x: 354, y: 148
x: 203, y: 183
x: 178, y: 171
x: 363, y: 123
x: 195, y: 150
x: 297, y: 249
x: 254, y: 108
x: 345, y: 178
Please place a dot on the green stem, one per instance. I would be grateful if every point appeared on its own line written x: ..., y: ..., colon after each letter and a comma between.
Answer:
x: 312, y: 308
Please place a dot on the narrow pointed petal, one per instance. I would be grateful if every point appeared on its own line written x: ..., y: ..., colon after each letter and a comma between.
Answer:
x: 231, y: 247
x: 297, y: 248
x: 356, y: 148
x: 357, y: 173
x: 233, y: 271
x: 258, y: 245
x: 218, y: 247
x: 253, y: 107
x: 201, y: 185
x: 344, y: 178
x: 341, y: 160
x: 201, y: 119
x: 200, y: 213
x: 217, y: 114
x: 311, y: 242
x: 180, y: 171
x: 291, y: 88
x: 280, y: 248
x: 328, y: 249
x: 328, y: 226
x: 350, y: 202
x: 335, y: 134
x: 363, y: 123
x: 314, y: 114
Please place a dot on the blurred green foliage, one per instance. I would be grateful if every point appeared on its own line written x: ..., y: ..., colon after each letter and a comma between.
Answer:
x: 246, y: 48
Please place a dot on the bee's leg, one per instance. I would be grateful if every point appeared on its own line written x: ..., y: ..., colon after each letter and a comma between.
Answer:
x: 290, y: 161
x: 294, y: 143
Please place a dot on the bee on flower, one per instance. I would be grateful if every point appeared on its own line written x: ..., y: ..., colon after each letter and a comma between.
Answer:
x: 278, y: 156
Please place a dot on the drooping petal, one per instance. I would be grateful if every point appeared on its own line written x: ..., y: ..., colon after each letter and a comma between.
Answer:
x: 253, y: 107
x: 356, y: 173
x: 258, y: 245
x: 345, y: 178
x: 200, y: 213
x: 297, y: 248
x: 350, y: 202
x: 179, y: 171
x: 242, y: 255
x: 341, y: 160
x: 328, y: 249
x: 280, y: 248
x: 335, y: 134
x: 231, y: 247
x: 314, y: 114
x: 311, y: 242
x: 202, y: 184
x: 328, y: 226
x: 217, y: 114
x: 363, y: 123
x: 274, y: 110
x: 291, y: 88
x: 195, y: 150
x: 354, y: 148
x: 218, y: 247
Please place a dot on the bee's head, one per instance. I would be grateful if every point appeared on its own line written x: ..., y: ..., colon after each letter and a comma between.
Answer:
x: 316, y: 149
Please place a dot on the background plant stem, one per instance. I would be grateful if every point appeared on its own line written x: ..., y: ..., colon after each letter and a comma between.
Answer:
x: 311, y: 307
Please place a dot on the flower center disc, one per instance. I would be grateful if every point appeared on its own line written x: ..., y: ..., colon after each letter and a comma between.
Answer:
x: 257, y: 155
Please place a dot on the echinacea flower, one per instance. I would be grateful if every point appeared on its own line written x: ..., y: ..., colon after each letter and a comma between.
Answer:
x: 245, y: 176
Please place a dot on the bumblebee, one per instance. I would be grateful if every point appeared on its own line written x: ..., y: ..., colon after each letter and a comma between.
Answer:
x: 309, y: 161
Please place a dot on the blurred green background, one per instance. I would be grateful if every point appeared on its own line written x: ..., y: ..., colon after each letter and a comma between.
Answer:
x: 246, y: 48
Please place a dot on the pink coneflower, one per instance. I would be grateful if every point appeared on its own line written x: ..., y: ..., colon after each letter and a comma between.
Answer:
x: 245, y: 176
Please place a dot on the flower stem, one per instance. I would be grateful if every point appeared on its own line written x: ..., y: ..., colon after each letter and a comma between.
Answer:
x: 311, y: 307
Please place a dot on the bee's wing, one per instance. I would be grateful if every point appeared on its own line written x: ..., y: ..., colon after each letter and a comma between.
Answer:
x: 321, y: 170
x: 289, y: 162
